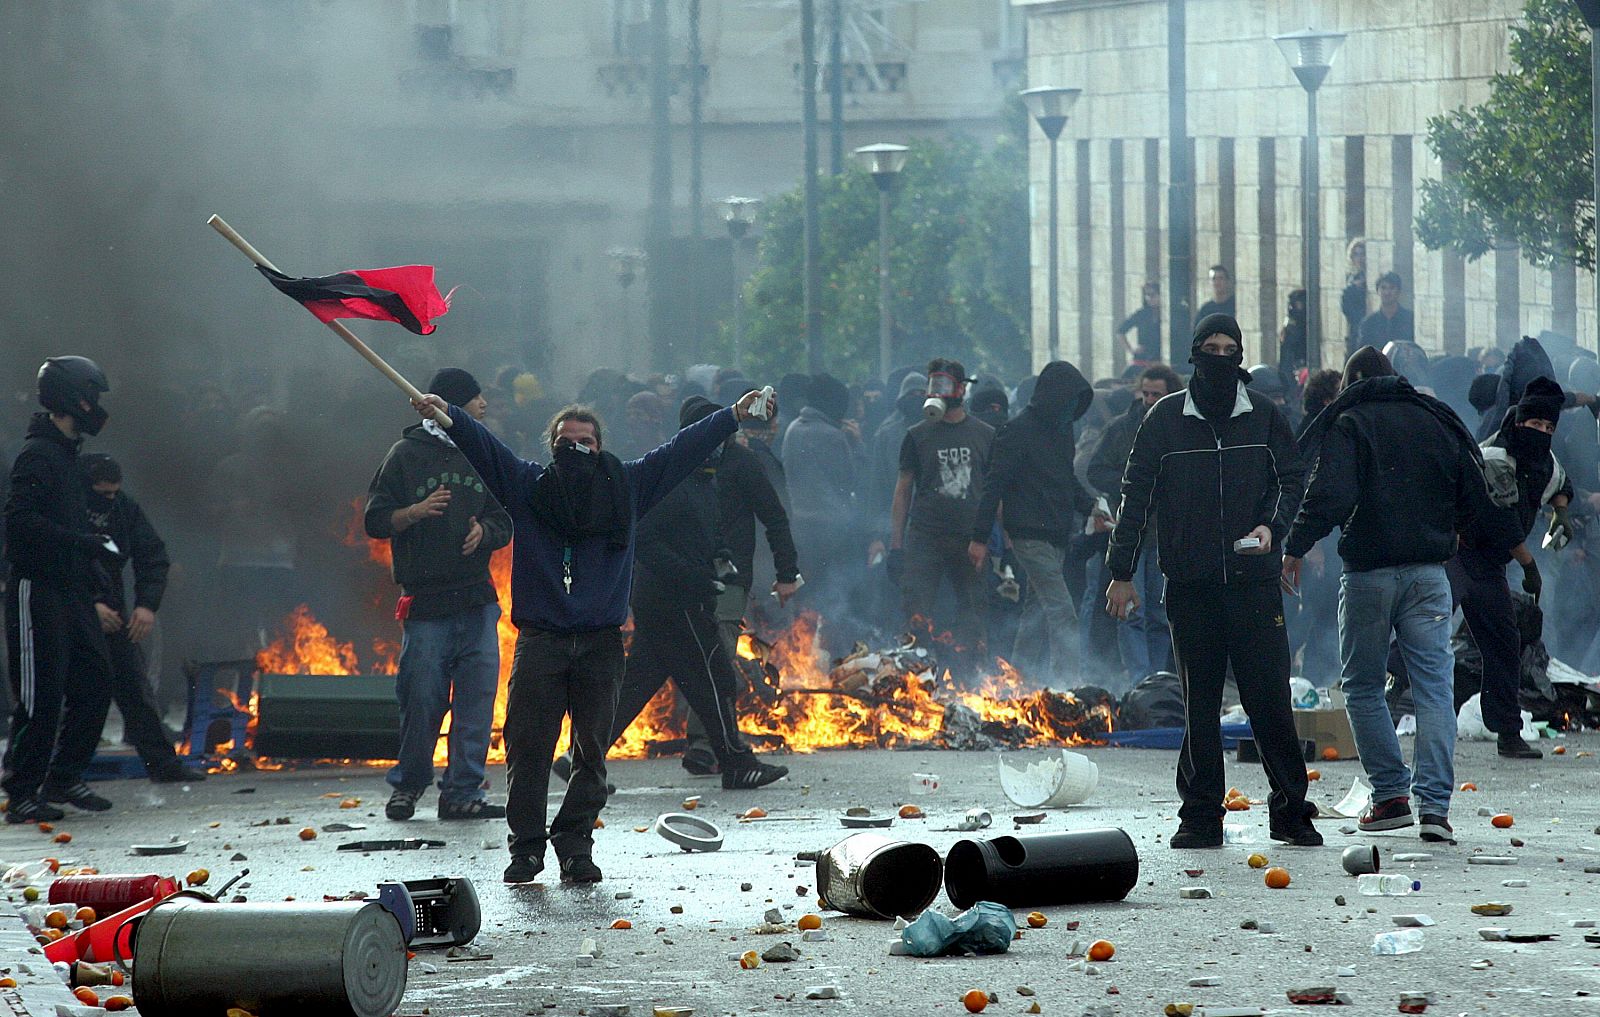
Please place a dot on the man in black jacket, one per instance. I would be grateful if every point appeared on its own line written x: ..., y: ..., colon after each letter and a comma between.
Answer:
x: 1031, y: 485
x: 113, y: 511
x: 57, y: 652
x: 1397, y: 471
x: 674, y: 617
x: 1218, y: 467
x: 442, y: 525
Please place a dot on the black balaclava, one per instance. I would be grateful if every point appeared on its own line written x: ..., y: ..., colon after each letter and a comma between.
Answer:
x: 1215, y: 386
x: 1541, y: 400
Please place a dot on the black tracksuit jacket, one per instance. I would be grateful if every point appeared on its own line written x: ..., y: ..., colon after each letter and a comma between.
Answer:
x: 1208, y: 484
x: 122, y: 518
x: 677, y: 544
x: 745, y: 494
x: 48, y: 539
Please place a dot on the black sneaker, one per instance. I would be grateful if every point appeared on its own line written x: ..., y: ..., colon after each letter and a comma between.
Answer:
x: 1436, y: 829
x: 523, y: 869
x: 580, y: 869
x: 1194, y: 836
x: 749, y: 778
x: 32, y: 810
x: 402, y: 804
x: 1387, y: 815
x: 176, y: 771
x: 701, y: 761
x: 79, y: 796
x: 1512, y: 746
x: 475, y: 809
x: 1303, y: 835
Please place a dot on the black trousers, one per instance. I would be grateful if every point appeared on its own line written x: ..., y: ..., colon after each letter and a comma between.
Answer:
x: 556, y: 675
x: 59, y: 673
x: 1485, y: 601
x: 1214, y: 627
x: 682, y: 642
x: 130, y: 689
x: 930, y: 562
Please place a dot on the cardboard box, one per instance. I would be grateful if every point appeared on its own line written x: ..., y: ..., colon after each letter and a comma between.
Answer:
x: 1328, y: 728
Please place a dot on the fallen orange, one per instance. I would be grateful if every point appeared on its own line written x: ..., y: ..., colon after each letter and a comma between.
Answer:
x: 1257, y: 861
x: 622, y: 923
x: 87, y: 996
x: 749, y: 960
x: 1313, y: 775
x: 1330, y: 753
x: 1502, y: 821
x: 1101, y: 950
x: 910, y: 812
x: 808, y: 923
x: 55, y: 920
x: 85, y: 915
x: 1560, y: 750
x: 1469, y: 786
x: 63, y: 838
x: 117, y: 1003
x: 1277, y: 878
x: 1237, y: 805
x: 1037, y: 920
x: 755, y: 813
x: 308, y: 833
x: 975, y: 1000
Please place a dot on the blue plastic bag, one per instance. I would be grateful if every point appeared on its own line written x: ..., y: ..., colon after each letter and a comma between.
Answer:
x: 986, y: 927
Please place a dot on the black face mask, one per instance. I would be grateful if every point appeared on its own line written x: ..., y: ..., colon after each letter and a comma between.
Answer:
x: 1531, y: 447
x: 1216, y: 382
x: 91, y: 422
x: 910, y: 405
x: 575, y: 461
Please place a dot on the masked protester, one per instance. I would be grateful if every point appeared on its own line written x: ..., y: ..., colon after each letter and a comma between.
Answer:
x: 1523, y: 476
x: 57, y: 651
x: 1397, y: 472
x: 114, y: 512
x: 885, y: 458
x: 1220, y: 469
x: 1032, y: 486
x: 936, y: 498
x: 571, y: 570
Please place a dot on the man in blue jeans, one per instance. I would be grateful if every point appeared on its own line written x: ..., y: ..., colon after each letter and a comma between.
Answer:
x: 1402, y: 477
x: 442, y: 525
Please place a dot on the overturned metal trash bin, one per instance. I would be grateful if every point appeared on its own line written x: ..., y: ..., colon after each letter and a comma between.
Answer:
x: 1075, y: 867
x: 871, y: 876
x: 196, y: 959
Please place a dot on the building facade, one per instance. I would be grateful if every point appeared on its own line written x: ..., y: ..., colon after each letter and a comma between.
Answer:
x: 1400, y: 64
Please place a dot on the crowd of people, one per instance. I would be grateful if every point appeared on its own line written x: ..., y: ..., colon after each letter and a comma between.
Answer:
x: 1093, y: 533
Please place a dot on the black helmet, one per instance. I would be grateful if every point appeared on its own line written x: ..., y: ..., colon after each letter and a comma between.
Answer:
x: 66, y: 383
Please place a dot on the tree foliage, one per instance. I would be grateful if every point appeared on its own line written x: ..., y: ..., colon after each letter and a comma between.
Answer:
x: 1522, y: 163
x: 959, y: 268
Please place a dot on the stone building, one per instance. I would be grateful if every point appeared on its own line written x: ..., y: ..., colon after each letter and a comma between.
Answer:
x: 1401, y: 64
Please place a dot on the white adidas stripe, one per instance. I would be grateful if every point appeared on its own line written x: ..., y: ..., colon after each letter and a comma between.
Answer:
x: 25, y: 632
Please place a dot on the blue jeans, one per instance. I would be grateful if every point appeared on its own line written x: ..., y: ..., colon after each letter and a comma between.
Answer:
x: 448, y: 665
x: 1413, y: 602
x: 1145, y: 640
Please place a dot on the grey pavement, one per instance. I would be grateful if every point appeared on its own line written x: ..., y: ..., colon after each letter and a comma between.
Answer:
x: 691, y: 918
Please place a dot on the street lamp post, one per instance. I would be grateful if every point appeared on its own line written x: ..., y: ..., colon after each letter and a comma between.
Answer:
x: 1590, y: 9
x: 1310, y: 55
x: 739, y: 214
x: 884, y: 161
x: 1050, y: 106
x: 626, y: 264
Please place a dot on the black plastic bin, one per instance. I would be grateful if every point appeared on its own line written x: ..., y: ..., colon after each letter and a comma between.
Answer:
x: 1075, y: 867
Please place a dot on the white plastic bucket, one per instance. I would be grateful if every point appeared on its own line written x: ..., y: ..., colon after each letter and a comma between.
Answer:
x: 1052, y: 782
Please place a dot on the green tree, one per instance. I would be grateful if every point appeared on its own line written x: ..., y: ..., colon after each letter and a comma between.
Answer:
x: 958, y: 266
x: 1521, y: 164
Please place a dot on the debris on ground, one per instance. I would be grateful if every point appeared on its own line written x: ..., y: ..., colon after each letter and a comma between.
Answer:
x: 986, y: 927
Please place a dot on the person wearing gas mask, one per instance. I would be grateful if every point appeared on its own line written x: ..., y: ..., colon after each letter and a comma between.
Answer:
x: 679, y: 555
x: 1397, y: 471
x: 1032, y: 487
x: 1218, y: 468
x: 114, y: 512
x: 57, y: 652
x: 571, y: 571
x: 1523, y: 476
x: 942, y: 464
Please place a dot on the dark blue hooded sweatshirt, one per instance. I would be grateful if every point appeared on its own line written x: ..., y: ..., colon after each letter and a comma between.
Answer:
x: 602, y: 575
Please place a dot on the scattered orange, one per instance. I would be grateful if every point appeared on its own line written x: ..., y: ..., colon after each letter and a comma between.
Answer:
x: 599, y: 824
x: 1237, y: 805
x: 809, y: 922
x: 690, y: 804
x: 8, y: 983
x: 116, y: 1003
x: 622, y: 923
x: 45, y: 828
x: 1313, y: 775
x: 55, y: 920
x: 199, y: 877
x: 749, y: 960
x: 1256, y: 861
x: 63, y: 838
x: 1101, y: 950
x: 1330, y: 754
x: 975, y: 1000
x: 1469, y: 786
x: 1037, y: 920
x: 1560, y: 750
x: 1502, y: 821
x: 350, y: 803
x: 117, y: 977
x: 1277, y: 878
x: 911, y: 812
x: 87, y: 996
x: 54, y: 863
x: 756, y: 813
x: 308, y: 833
x: 85, y: 915
x: 1233, y: 792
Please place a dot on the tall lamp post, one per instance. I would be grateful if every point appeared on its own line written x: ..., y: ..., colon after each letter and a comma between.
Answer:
x: 1310, y: 54
x: 884, y: 161
x: 739, y: 214
x: 1590, y: 9
x: 1050, y: 106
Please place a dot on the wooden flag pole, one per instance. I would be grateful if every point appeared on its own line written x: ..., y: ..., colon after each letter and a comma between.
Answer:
x: 216, y: 222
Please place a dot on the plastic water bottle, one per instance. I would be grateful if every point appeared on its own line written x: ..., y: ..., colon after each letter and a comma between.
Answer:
x: 1375, y: 884
x: 1399, y: 941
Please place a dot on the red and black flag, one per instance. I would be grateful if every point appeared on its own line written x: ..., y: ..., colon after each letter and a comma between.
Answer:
x: 405, y: 294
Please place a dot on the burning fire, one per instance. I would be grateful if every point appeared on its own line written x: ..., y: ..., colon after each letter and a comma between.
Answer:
x: 795, y: 701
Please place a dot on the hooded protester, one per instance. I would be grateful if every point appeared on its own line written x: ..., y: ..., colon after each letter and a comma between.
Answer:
x: 794, y: 393
x: 1526, y: 361
x: 1033, y: 487
x: 825, y: 465
x: 1412, y: 363
x: 571, y: 573
x: 990, y: 404
x: 885, y: 457
x: 1292, y: 335
x: 1523, y: 476
x: 1219, y: 468
x: 1397, y: 472
x: 645, y: 417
